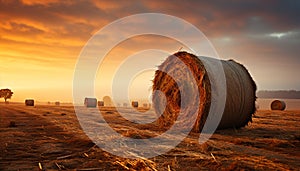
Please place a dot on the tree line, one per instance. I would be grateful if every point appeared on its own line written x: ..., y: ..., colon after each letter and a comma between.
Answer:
x: 284, y: 94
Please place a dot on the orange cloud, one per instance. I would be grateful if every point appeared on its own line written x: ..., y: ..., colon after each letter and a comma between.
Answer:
x: 33, y: 2
x: 41, y: 40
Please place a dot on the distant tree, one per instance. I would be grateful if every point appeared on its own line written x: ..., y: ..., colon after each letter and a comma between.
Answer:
x: 6, y: 94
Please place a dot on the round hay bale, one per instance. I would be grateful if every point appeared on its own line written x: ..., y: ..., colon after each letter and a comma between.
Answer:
x: 57, y: 103
x: 100, y: 103
x: 90, y: 102
x: 135, y: 104
x: 240, y: 97
x: 278, y: 105
x: 107, y: 101
x: 29, y: 102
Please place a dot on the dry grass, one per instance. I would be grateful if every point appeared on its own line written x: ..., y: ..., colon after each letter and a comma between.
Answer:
x: 41, y: 134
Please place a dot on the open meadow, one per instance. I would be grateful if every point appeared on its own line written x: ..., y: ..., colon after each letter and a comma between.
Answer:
x: 49, y: 137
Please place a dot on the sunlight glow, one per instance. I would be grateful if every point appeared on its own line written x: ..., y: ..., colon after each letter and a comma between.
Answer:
x: 281, y: 34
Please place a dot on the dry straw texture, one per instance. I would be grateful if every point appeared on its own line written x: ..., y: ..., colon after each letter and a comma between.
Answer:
x: 240, y: 100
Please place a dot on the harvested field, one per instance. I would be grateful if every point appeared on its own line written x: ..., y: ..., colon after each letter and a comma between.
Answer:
x: 50, y: 137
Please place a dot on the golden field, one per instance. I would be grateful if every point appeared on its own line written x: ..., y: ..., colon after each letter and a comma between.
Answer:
x: 48, y: 137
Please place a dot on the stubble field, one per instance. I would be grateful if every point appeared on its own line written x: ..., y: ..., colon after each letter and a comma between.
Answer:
x: 49, y: 137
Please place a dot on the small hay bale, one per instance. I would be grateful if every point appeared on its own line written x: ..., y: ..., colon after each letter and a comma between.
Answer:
x: 29, y: 102
x: 135, y: 104
x: 278, y: 105
x: 145, y: 105
x: 240, y: 97
x: 57, y: 103
x: 107, y: 101
x: 100, y: 103
x: 90, y: 102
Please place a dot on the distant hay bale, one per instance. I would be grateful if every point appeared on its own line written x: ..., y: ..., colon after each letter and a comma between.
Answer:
x: 240, y: 98
x: 29, y: 102
x: 100, y: 103
x: 145, y: 105
x: 135, y: 104
x: 57, y: 103
x: 90, y: 102
x: 278, y: 105
x: 107, y: 101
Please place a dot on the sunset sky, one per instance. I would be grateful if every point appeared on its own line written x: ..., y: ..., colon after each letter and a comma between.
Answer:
x: 40, y: 41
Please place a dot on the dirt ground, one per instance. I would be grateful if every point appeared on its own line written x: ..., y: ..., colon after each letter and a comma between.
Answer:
x: 49, y: 137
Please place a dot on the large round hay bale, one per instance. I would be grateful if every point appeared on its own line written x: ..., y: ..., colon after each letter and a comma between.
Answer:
x: 240, y: 96
x: 57, y: 103
x: 278, y: 105
x: 90, y: 102
x: 29, y: 102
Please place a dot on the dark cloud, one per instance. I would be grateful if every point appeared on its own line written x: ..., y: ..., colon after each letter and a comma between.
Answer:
x: 232, y: 16
x: 214, y: 17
